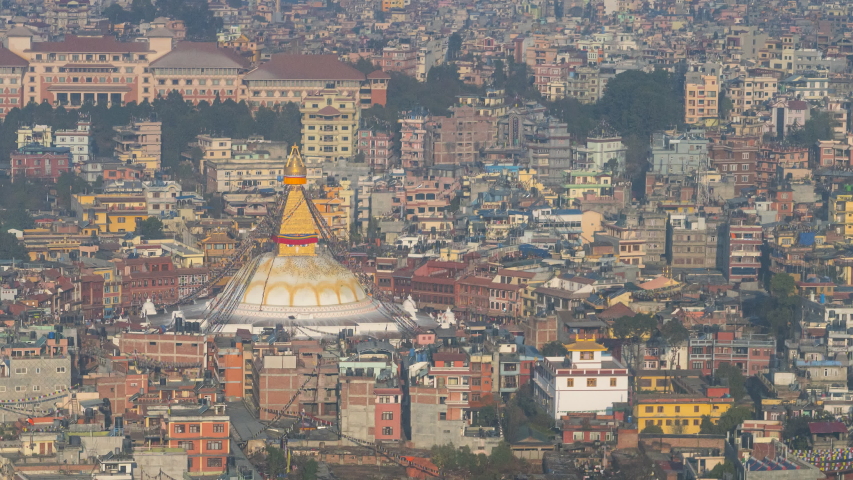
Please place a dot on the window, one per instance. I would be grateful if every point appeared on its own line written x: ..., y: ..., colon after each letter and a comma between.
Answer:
x: 612, y: 382
x: 20, y: 371
x: 179, y: 428
x: 218, y: 428
x: 186, y: 445
x: 650, y: 409
x: 677, y: 409
x: 591, y: 382
x: 660, y: 409
x: 586, y: 355
x: 214, y: 462
x: 387, y: 415
x: 36, y: 388
x: 387, y: 431
x: 214, y: 445
x: 442, y: 416
x: 570, y: 382
x: 60, y: 369
x: 20, y: 389
x: 194, y: 428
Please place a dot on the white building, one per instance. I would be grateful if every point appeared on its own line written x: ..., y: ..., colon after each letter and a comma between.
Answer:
x: 79, y: 140
x: 161, y: 196
x: 588, y: 379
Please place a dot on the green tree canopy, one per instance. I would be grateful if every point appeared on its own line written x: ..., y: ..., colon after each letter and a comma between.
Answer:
x: 652, y: 429
x: 733, y: 377
x: 819, y: 127
x: 639, y: 103
x: 11, y: 248
x: 151, y: 228
x: 554, y: 349
x: 722, y: 470
x: 674, y: 333
x: 727, y: 422
x: 782, y: 285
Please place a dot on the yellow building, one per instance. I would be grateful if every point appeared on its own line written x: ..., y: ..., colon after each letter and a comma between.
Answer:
x: 701, y: 94
x: 329, y: 125
x: 388, y: 5
x: 110, y: 213
x: 681, y: 414
x: 841, y: 213
x: 137, y: 156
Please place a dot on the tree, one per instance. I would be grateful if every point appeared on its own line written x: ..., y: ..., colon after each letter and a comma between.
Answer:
x: 633, y: 331
x: 11, y: 248
x: 67, y: 185
x: 150, y: 228
x: 674, y: 333
x: 782, y: 285
x: 652, y: 429
x: 499, y: 77
x: 639, y: 103
x: 820, y: 126
x: 727, y: 422
x: 554, y: 349
x: 309, y: 470
x: 454, y: 45
x: 734, y: 379
x: 722, y: 470
x: 276, y: 461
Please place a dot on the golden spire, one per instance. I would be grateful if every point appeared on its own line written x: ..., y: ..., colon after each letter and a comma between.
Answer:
x: 294, y: 169
x: 298, y: 233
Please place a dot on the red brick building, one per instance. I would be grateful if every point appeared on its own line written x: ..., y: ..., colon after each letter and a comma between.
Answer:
x: 736, y: 159
x: 166, y: 347
x: 36, y: 162
x: 204, y: 434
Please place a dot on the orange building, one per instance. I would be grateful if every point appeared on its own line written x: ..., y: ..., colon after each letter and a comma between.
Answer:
x: 204, y: 434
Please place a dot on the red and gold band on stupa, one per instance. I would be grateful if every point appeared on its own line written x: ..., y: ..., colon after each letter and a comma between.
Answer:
x: 295, y: 239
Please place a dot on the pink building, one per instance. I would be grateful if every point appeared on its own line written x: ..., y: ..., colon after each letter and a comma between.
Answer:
x: 37, y: 162
x: 415, y: 144
x: 12, y: 69
x: 375, y: 145
x: 426, y: 196
x: 398, y: 59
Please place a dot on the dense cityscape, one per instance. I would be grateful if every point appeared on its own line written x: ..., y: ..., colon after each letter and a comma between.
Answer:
x: 414, y: 239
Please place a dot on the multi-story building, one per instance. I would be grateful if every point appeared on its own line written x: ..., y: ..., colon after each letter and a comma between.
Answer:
x: 38, y: 134
x: 550, y: 149
x: 199, y: 71
x: 289, y: 78
x: 604, y: 150
x: 204, y: 432
x: 626, y: 241
x: 841, y: 212
x: 84, y: 69
x: 403, y: 59
x: 807, y: 86
x: 330, y: 121
x: 79, y: 141
x: 750, y: 93
x: 743, y: 250
x: 243, y: 170
x: 457, y: 140
x: 748, y: 352
x: 694, y: 242
x: 139, y: 143
x: 679, y: 413
x: 279, y: 377
x: 701, y: 94
x: 586, y: 380
x: 110, y: 213
x: 415, y: 140
x: 12, y: 70
x: 34, y: 369
x: 683, y: 154
x: 833, y: 153
x: 66, y: 15
x: 36, y: 162
x: 376, y: 146
x: 161, y: 196
x: 736, y: 159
